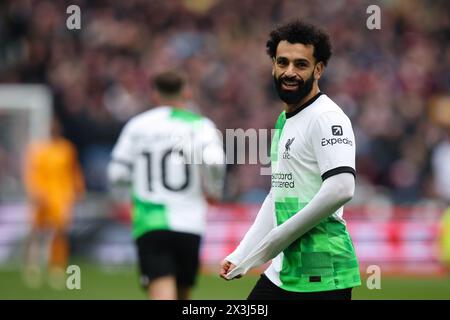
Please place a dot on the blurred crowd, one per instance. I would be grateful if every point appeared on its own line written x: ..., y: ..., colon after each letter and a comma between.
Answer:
x: 393, y: 83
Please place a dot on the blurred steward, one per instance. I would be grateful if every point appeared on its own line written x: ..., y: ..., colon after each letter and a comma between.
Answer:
x: 445, y: 238
x: 53, y: 183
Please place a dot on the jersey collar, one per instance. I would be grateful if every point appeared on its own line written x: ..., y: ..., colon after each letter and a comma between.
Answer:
x: 303, y: 106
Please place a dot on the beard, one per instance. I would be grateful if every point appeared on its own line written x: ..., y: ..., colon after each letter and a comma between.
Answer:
x: 294, y: 96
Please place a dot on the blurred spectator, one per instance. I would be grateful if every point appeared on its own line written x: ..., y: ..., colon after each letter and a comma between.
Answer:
x: 384, y: 79
x: 53, y: 183
x: 441, y: 169
x: 444, y: 238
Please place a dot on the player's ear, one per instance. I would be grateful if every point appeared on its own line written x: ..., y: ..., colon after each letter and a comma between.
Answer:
x: 154, y: 97
x: 318, y: 70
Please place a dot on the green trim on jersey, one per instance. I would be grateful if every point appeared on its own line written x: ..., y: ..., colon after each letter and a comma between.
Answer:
x: 287, y: 208
x: 323, y: 258
x: 184, y: 115
x: 276, y: 137
x: 324, y: 254
x: 148, y: 216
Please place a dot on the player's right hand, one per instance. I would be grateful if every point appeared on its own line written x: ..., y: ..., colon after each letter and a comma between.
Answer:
x: 225, y: 267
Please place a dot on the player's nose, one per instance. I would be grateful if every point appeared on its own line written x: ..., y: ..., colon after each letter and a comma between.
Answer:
x: 290, y: 72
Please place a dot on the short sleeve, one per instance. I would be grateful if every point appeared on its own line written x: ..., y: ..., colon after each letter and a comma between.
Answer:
x: 208, y: 137
x: 209, y: 133
x: 333, y: 143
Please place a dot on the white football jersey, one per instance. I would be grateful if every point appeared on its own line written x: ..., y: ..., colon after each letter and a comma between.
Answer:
x: 163, y: 150
x: 309, y: 146
x: 313, y: 144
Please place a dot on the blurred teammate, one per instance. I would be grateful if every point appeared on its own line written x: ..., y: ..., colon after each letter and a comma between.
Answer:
x: 158, y: 153
x: 53, y: 182
x: 300, y: 224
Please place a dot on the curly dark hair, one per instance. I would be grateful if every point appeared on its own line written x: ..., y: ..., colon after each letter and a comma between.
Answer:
x: 298, y: 31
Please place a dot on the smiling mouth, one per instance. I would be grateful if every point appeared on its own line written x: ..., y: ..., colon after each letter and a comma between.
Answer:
x: 289, y: 85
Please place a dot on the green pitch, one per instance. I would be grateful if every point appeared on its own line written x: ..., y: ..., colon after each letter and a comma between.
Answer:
x: 101, y: 283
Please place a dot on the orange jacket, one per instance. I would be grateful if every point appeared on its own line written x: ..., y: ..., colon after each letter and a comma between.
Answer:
x: 52, y: 173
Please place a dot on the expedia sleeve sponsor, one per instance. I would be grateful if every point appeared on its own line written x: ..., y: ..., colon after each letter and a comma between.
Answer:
x: 282, y: 180
x: 333, y: 141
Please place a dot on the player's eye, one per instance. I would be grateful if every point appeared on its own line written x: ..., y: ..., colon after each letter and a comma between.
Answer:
x: 301, y: 64
x: 282, y: 62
